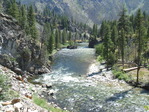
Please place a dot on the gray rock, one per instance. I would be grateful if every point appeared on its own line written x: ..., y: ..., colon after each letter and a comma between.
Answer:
x: 18, y: 106
x: 48, y: 86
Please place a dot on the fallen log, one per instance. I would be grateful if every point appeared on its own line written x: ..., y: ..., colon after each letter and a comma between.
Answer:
x: 130, y: 69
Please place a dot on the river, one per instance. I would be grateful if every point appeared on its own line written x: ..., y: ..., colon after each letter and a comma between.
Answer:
x: 78, y: 92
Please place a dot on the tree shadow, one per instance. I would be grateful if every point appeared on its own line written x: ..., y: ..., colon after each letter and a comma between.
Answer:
x: 123, y: 94
x: 120, y: 95
x: 145, y: 89
x: 94, y: 73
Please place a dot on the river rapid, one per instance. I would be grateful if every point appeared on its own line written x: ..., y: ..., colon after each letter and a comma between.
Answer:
x: 80, y: 87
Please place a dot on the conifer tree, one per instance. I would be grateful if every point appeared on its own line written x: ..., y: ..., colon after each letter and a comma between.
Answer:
x: 57, y: 39
x: 123, y: 27
x: 114, y: 36
x: 140, y: 39
x: 148, y: 33
x: 64, y: 36
x: 108, y: 45
x: 23, y: 18
x: 1, y: 6
x: 51, y: 43
x: 32, y: 23
x: 95, y: 30
x: 13, y: 9
x: 46, y: 33
x: 102, y: 30
x: 60, y: 37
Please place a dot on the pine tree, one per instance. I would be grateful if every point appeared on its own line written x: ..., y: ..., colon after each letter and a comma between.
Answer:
x: 64, y: 36
x: 102, y: 30
x: 57, y: 39
x: 114, y: 35
x: 123, y: 26
x: 32, y: 23
x: 23, y: 18
x: 51, y: 43
x: 95, y: 30
x: 46, y: 34
x: 1, y: 6
x: 140, y: 39
x: 60, y: 37
x: 13, y: 9
x: 122, y: 45
x: 148, y: 33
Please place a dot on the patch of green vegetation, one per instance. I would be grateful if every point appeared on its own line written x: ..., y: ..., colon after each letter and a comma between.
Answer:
x: 4, y: 86
x: 99, y: 49
x: 100, y: 58
x: 12, y: 94
x: 121, y: 75
x: 43, y: 103
x: 148, y: 67
x: 146, y: 107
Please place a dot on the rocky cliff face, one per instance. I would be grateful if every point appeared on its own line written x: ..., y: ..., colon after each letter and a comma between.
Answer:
x: 17, y: 51
x: 91, y: 11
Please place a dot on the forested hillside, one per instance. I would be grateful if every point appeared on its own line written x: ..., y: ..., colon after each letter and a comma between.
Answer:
x: 90, y: 11
x: 36, y: 36
x: 125, y: 41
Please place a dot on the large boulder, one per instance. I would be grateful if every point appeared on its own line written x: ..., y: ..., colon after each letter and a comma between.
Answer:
x: 71, y: 47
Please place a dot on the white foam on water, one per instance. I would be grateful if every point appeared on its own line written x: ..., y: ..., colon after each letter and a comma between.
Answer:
x: 94, y: 68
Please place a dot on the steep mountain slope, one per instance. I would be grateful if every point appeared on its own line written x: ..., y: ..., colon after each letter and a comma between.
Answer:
x: 91, y: 11
x: 17, y: 51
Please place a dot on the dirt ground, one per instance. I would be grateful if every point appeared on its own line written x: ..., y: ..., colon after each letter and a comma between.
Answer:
x: 143, y: 75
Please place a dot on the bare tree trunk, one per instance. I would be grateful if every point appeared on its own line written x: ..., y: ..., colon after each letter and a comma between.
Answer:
x: 138, y: 69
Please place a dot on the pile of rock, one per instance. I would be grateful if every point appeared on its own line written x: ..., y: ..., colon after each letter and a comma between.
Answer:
x: 25, y: 90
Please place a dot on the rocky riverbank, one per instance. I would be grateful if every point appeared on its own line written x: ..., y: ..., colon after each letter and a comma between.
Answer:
x: 23, y: 100
x: 98, y: 73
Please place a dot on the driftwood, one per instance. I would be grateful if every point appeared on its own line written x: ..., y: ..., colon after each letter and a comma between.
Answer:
x: 130, y: 69
x: 14, y: 101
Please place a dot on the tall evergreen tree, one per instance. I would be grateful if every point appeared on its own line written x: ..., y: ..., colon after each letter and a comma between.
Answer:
x: 123, y: 26
x: 64, y: 36
x: 148, y: 33
x: 57, y: 39
x: 46, y: 34
x: 23, y: 18
x: 102, y: 30
x: 108, y: 45
x: 13, y: 9
x: 60, y: 37
x: 1, y: 7
x: 32, y: 23
x: 95, y: 30
x: 114, y: 35
x: 140, y: 39
x: 51, y: 43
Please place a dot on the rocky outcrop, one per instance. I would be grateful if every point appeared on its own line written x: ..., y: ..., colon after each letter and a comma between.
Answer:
x: 18, y: 51
x: 23, y: 101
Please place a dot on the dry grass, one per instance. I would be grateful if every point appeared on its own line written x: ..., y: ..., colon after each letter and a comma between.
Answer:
x: 143, y: 75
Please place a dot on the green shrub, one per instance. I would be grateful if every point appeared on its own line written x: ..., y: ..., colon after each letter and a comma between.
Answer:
x: 100, y: 58
x: 148, y: 67
x: 4, y: 86
x: 146, y: 107
x: 121, y: 75
x: 99, y: 49
x: 43, y: 103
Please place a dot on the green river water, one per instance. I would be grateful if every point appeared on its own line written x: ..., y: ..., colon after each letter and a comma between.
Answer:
x: 77, y: 92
